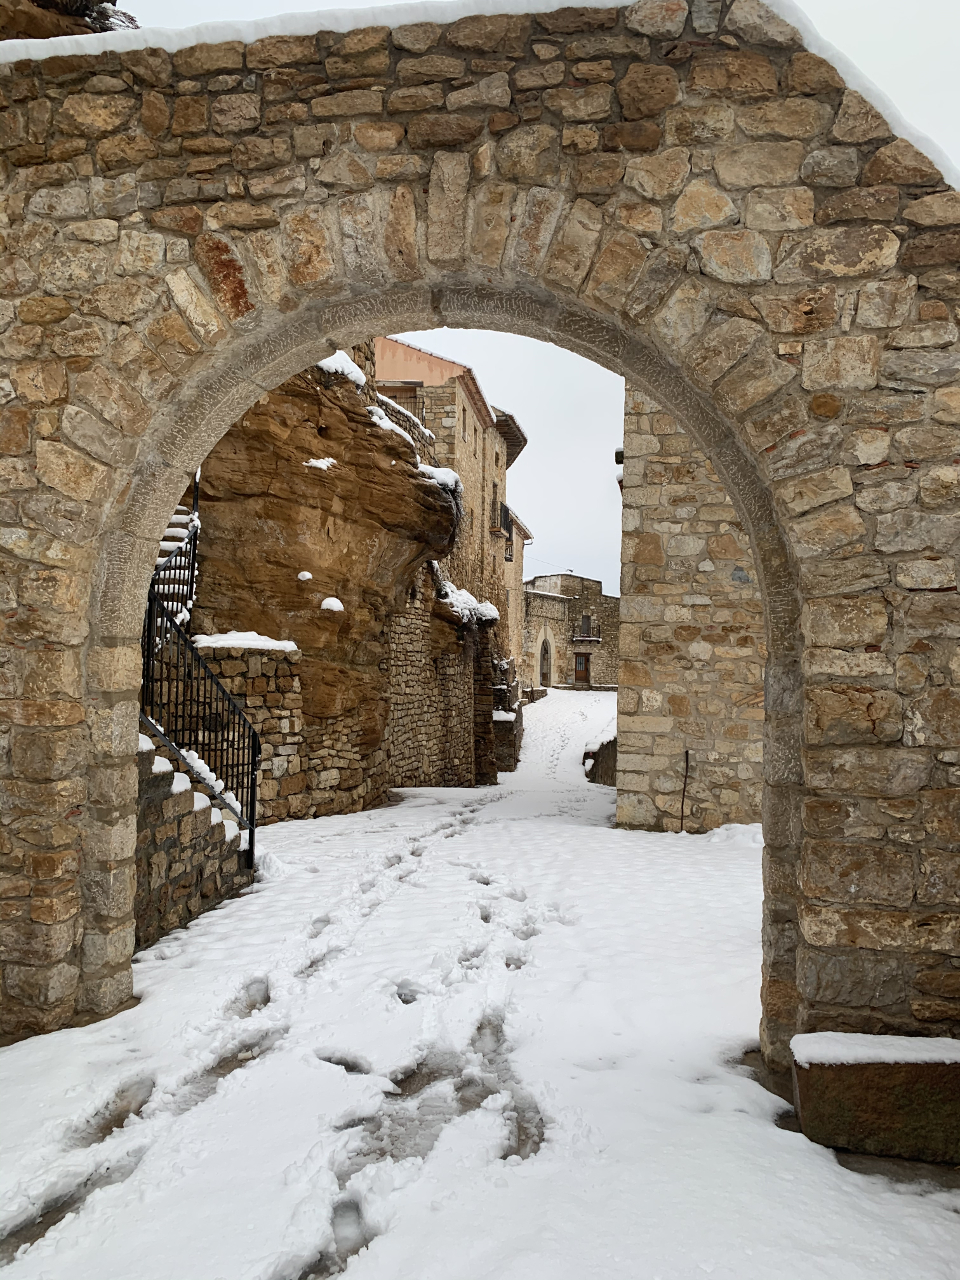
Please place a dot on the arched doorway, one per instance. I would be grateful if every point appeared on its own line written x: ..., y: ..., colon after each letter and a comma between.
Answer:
x: 545, y: 676
x: 635, y: 220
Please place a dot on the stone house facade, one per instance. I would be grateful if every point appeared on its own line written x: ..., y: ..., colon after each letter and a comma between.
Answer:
x: 571, y: 633
x: 479, y: 443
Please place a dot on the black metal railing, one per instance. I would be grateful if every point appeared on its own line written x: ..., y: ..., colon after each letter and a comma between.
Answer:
x: 182, y: 701
x: 501, y: 519
x: 176, y: 577
x: 592, y: 632
x: 186, y: 706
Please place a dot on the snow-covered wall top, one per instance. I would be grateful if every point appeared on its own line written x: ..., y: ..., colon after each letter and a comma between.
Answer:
x: 441, y: 11
x: 837, y: 1048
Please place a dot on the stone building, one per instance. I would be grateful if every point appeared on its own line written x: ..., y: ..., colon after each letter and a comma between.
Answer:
x: 571, y: 633
x: 692, y: 643
x: 518, y: 536
x: 479, y: 443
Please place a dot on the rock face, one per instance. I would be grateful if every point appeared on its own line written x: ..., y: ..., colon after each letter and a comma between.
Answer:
x: 307, y: 499
x: 21, y: 20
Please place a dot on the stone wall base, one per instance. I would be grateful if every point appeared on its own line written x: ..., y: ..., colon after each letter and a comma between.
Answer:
x: 188, y: 852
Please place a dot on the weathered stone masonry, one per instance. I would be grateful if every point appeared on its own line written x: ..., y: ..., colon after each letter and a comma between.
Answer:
x: 188, y: 850
x: 691, y: 675
x: 686, y: 197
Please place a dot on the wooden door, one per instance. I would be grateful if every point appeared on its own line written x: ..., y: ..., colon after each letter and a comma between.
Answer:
x: 582, y: 669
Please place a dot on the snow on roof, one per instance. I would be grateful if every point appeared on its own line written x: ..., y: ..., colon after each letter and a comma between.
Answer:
x: 342, y: 20
x: 242, y: 640
x: 847, y: 1047
x: 341, y: 363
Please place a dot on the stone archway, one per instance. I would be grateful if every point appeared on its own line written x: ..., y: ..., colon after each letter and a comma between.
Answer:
x: 716, y: 218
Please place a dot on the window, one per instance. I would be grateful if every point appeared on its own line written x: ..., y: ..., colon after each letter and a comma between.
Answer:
x: 496, y: 459
x: 463, y: 424
x: 475, y: 440
x: 586, y: 623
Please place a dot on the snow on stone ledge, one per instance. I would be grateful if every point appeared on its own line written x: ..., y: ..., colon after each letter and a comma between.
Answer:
x: 407, y: 414
x: 341, y: 363
x: 443, y: 476
x: 144, y: 743
x: 504, y: 715
x: 381, y: 419
x: 832, y: 1048
x: 332, y: 604
x: 321, y: 464
x: 242, y: 640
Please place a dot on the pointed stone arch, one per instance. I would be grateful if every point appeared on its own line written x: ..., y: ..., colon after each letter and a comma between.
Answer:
x: 727, y: 227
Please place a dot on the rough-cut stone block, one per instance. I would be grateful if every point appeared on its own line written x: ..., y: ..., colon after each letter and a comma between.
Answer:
x: 736, y: 257
x: 741, y: 76
x: 845, y: 363
x: 847, y: 252
x: 759, y: 164
x: 646, y: 90
x: 702, y: 206
x: 857, y: 121
x: 908, y: 1110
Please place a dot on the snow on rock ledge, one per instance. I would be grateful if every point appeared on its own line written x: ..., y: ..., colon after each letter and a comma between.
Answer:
x: 835, y: 1048
x: 462, y: 602
x: 242, y: 640
x: 443, y: 476
x: 341, y: 363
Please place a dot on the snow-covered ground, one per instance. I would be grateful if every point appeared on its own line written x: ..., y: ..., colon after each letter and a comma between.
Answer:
x: 478, y: 1035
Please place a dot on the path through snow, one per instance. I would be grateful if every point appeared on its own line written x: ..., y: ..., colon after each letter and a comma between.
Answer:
x: 478, y: 1035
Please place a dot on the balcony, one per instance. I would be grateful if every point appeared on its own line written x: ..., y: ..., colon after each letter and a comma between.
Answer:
x: 583, y: 633
x: 501, y: 521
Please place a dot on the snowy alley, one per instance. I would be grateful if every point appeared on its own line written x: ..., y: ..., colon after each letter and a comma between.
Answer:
x: 476, y: 1035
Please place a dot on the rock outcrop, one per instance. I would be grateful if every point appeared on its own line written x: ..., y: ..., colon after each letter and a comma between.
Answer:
x: 22, y: 20
x: 307, y: 504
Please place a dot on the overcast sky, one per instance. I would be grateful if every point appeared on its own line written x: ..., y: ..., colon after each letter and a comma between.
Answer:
x: 571, y: 410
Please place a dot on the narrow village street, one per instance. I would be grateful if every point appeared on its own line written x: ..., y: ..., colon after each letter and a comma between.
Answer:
x: 476, y: 1035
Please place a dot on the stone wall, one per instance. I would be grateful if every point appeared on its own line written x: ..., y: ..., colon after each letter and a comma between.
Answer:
x: 266, y: 683
x: 430, y: 728
x: 507, y: 714
x: 188, y: 853
x: 691, y: 672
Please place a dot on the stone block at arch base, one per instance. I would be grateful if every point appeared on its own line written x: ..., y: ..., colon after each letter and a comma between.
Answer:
x: 704, y: 209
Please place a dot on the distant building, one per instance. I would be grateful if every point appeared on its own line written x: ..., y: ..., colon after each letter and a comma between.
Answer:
x: 571, y: 633
x: 480, y: 443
